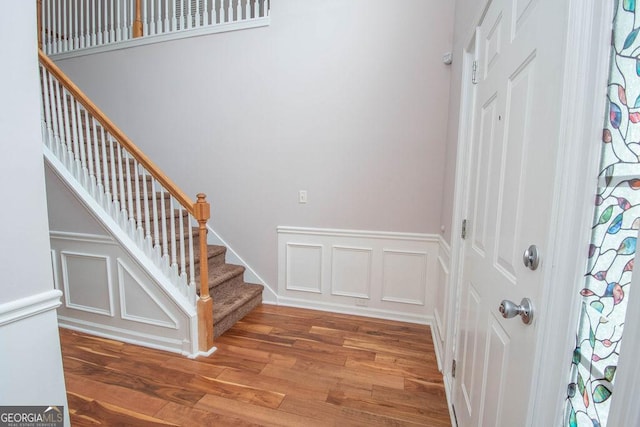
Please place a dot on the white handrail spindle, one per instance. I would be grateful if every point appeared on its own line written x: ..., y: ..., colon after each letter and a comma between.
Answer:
x: 105, y: 169
x: 192, y: 269
x: 96, y: 148
x: 89, y: 136
x: 94, y: 35
x: 81, y: 33
x: 174, y: 23
x: 183, y: 270
x: 145, y: 208
x: 81, y: 142
x: 114, y: 176
x: 125, y: 207
x: 59, y: 118
x: 165, y: 238
x: 46, y: 106
x: 126, y: 176
x: 138, y: 212
x: 172, y: 223
x: 154, y: 211
x: 64, y: 33
x: 74, y: 136
x: 100, y: 27
x: 118, y: 24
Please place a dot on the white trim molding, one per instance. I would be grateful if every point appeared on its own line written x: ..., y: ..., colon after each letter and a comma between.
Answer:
x: 32, y: 305
x: 160, y: 38
x: 369, y: 273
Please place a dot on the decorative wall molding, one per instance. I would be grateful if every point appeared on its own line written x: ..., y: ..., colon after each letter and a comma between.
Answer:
x: 32, y: 305
x: 335, y: 232
x: 404, y: 267
x: 131, y: 300
x: 370, y: 273
x: 304, y: 267
x: 87, y: 283
x: 82, y: 237
x: 354, y: 271
x: 107, y: 292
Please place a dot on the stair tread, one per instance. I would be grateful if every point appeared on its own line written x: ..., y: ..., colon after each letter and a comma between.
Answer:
x: 230, y: 299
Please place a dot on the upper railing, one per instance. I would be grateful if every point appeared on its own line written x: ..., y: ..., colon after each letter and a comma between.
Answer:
x: 70, y: 25
x: 161, y: 219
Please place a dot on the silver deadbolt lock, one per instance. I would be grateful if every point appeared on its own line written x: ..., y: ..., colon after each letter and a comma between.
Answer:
x: 531, y: 258
x: 510, y: 309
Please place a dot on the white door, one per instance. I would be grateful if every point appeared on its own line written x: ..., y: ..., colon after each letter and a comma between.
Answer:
x: 519, y: 49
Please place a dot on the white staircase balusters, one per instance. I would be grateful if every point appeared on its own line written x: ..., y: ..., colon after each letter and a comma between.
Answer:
x: 69, y: 25
x: 155, y: 214
x: 99, y: 191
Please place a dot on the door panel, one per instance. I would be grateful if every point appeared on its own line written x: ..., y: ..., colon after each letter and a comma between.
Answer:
x: 473, y: 346
x: 498, y: 343
x: 514, y: 154
x: 511, y: 169
x: 483, y: 188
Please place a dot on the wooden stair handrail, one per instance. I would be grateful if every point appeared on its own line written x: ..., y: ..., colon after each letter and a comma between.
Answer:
x: 108, y: 125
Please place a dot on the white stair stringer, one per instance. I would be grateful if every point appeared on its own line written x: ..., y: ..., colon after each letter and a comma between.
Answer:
x: 141, y: 251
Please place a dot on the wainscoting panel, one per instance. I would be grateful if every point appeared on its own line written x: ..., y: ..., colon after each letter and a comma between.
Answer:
x: 404, y: 276
x: 377, y: 274
x: 107, y: 292
x: 351, y: 271
x: 139, y: 303
x: 304, y: 268
x: 87, y: 282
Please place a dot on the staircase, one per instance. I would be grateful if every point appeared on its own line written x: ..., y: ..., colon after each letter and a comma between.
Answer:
x: 145, y: 206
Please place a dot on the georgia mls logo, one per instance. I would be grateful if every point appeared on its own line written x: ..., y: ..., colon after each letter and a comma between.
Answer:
x: 31, y: 416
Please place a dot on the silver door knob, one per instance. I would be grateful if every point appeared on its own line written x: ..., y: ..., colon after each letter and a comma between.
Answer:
x: 531, y: 258
x: 510, y: 309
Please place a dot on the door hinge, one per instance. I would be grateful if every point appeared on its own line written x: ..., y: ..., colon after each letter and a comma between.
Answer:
x: 474, y: 73
x: 453, y: 368
x: 463, y: 233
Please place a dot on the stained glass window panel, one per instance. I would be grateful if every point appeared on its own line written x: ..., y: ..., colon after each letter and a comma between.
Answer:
x: 613, y: 235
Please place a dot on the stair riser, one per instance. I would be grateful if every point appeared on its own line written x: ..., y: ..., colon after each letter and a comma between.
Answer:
x: 223, y: 325
x: 231, y: 283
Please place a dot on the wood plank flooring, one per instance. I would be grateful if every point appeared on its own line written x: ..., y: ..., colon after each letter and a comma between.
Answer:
x: 279, y: 366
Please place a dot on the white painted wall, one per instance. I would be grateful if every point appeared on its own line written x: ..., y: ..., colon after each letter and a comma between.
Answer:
x: 347, y: 100
x: 30, y: 359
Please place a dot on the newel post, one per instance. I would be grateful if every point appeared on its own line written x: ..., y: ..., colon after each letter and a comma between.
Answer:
x: 39, y: 12
x: 205, y: 303
x: 137, y: 23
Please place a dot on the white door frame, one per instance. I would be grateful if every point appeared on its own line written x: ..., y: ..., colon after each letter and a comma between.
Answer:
x: 584, y: 93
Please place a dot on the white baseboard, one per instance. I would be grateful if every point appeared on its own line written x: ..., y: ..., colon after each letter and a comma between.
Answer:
x: 127, y: 335
x: 356, y: 311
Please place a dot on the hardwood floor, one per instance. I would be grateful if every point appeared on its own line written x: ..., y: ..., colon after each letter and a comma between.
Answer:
x: 278, y: 367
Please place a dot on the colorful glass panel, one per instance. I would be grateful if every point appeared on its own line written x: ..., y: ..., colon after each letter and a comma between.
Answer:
x: 614, y: 233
